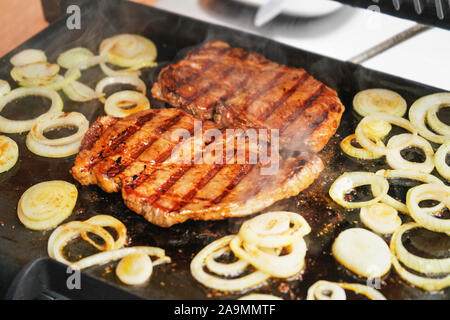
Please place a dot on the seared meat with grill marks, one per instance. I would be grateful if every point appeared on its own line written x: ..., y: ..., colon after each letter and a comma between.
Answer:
x: 140, y: 156
x: 237, y: 88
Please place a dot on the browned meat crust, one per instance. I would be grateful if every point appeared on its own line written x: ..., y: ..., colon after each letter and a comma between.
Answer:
x: 135, y: 155
x: 237, y: 88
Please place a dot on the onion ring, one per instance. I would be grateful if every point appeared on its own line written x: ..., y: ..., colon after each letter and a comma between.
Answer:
x: 435, y: 123
x: 367, y: 143
x: 440, y: 160
x: 36, y: 74
x: 28, y: 56
x: 372, y: 101
x: 135, y: 81
x: 360, y: 153
x: 77, y: 91
x: 350, y: 180
x: 16, y: 126
x: 362, y: 252
x: 419, y: 264
x: 55, y: 120
x: 114, y: 105
x: 52, y: 151
x: 63, y: 81
x: 325, y: 290
x: 367, y: 291
x: 224, y: 269
x: 418, y: 113
x: 9, y: 153
x: 402, y: 141
x: 413, y: 175
x: 214, y: 282
x: 284, y: 266
x: 262, y: 230
x: 107, y: 221
x: 426, y: 192
x: 378, y: 129
x: 47, y: 204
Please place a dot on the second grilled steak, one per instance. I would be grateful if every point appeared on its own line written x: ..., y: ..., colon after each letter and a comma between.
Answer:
x: 138, y: 156
x: 237, y: 88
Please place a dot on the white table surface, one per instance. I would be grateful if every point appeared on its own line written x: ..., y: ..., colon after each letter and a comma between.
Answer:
x: 344, y: 34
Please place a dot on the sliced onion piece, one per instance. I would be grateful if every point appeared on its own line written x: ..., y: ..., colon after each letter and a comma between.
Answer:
x: 61, y: 236
x: 367, y: 291
x: 435, y: 123
x: 75, y: 58
x: 9, y: 153
x: 16, y: 126
x: 118, y: 73
x: 5, y: 88
x: 413, y: 175
x: 43, y: 150
x: 273, y: 229
x: 360, y: 153
x: 440, y: 162
x: 215, y: 282
x: 418, y: 114
x: 77, y: 91
x: 362, y: 252
x: 224, y: 269
x: 365, y: 140
x: 63, y: 81
x: 351, y: 180
x: 119, y: 103
x: 107, y: 221
x: 428, y: 192
x: 259, y: 296
x: 35, y: 75
x: 419, y: 264
x: 325, y: 290
x: 402, y: 141
x: 56, y: 120
x: 372, y: 101
x: 47, y: 204
x: 378, y: 129
x: 285, y: 266
x: 112, y: 255
x: 28, y: 56
x: 134, y: 81
x: 128, y: 50
x: 134, y: 269
x: 380, y: 218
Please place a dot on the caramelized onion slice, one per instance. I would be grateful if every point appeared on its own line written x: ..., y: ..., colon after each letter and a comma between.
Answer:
x: 134, y: 269
x: 116, y: 104
x: 360, y: 153
x: 372, y: 101
x: 351, y: 180
x: 107, y: 221
x: 377, y: 148
x: 9, y: 153
x: 380, y: 218
x: 47, y: 204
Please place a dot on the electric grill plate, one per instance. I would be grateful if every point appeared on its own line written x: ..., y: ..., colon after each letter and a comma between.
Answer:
x: 173, y: 35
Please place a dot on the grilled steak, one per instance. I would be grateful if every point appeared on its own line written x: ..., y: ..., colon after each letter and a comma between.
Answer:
x: 140, y: 156
x: 237, y: 88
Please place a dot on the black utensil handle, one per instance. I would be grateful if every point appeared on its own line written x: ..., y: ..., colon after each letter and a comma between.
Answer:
x: 46, y: 279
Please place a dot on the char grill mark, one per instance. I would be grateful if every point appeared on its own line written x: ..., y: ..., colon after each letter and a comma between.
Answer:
x: 273, y: 97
